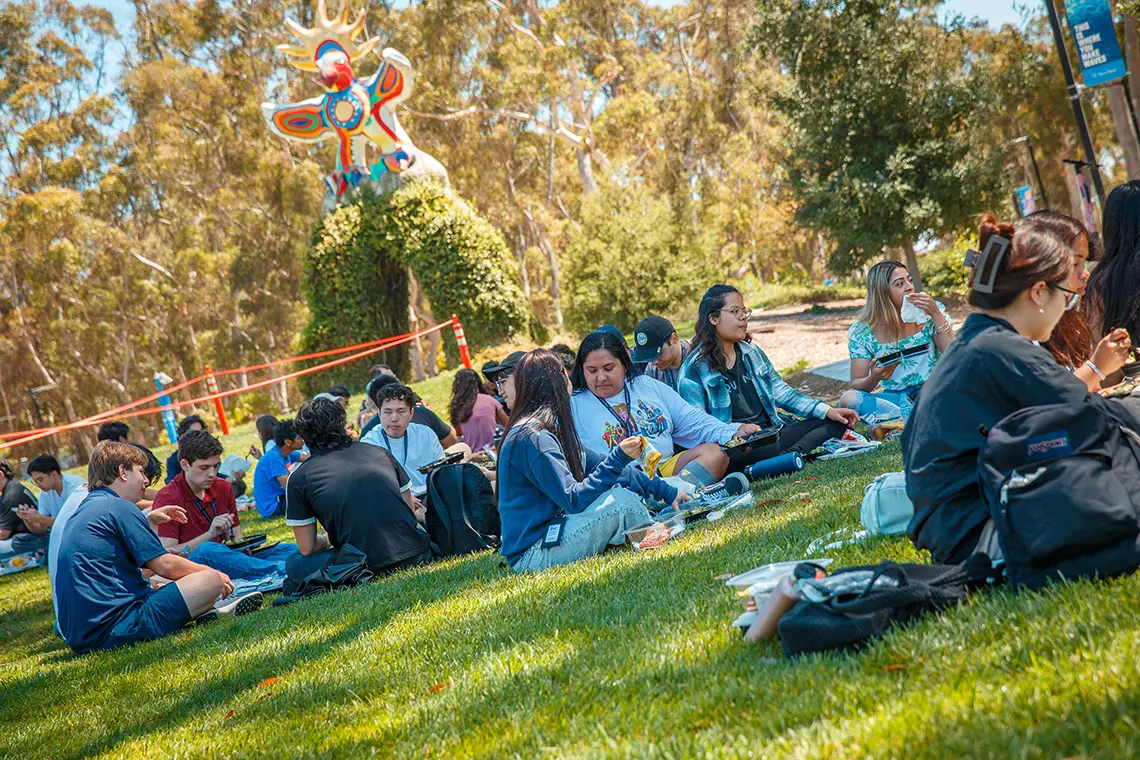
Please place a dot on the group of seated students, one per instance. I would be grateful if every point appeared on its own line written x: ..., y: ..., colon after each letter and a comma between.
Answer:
x: 574, y: 425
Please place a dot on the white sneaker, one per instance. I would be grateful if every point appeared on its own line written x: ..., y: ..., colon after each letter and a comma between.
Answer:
x: 240, y: 606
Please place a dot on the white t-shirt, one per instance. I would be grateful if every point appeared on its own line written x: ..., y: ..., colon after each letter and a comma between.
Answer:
x: 659, y: 414
x: 418, y: 447
x: 51, y: 502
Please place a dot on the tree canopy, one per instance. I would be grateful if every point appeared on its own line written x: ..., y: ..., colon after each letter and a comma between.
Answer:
x: 150, y: 221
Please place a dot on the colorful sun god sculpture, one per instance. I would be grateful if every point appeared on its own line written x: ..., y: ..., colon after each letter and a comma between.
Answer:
x: 355, y: 111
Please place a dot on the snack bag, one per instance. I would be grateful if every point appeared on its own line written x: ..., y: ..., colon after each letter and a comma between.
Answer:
x: 649, y: 458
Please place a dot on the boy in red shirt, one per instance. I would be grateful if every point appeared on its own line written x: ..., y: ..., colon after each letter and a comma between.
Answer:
x: 212, y: 516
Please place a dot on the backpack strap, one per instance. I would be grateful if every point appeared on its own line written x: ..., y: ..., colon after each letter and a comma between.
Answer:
x: 488, y: 541
x: 442, y: 509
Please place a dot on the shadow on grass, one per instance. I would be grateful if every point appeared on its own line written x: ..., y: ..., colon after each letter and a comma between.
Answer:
x: 621, y: 654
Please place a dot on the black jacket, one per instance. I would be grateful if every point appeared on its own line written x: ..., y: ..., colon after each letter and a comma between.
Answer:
x: 989, y: 372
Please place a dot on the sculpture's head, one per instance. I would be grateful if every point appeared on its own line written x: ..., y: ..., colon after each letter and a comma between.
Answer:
x: 335, y: 69
x: 330, y: 47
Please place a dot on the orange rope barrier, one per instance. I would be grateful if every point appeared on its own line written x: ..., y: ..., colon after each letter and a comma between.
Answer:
x: 391, y: 342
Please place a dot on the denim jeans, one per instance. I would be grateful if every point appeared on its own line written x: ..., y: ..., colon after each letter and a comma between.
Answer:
x: 242, y: 566
x: 589, y: 532
x: 882, y: 406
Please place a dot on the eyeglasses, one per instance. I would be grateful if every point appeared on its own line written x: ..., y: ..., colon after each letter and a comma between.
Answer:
x: 1074, y: 296
x: 500, y: 380
x: 740, y: 312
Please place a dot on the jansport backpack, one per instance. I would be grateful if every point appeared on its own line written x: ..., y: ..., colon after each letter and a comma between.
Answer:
x: 462, y: 511
x: 1063, y: 486
x: 862, y: 603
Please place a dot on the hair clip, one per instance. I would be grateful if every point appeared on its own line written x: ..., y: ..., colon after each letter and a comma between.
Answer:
x: 987, y: 263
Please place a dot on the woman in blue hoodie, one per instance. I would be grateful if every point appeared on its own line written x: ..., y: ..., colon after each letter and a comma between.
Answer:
x: 558, y: 502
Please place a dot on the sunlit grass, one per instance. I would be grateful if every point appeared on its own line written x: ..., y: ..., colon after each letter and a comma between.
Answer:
x: 623, y: 655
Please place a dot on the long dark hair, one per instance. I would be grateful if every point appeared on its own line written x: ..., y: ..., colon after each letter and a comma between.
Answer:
x: 1071, y: 341
x: 1115, y: 283
x: 706, y: 340
x: 265, y: 424
x: 321, y: 423
x: 464, y: 392
x: 542, y: 399
x: 600, y: 340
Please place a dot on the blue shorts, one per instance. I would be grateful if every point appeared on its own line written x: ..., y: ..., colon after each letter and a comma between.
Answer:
x: 162, y: 613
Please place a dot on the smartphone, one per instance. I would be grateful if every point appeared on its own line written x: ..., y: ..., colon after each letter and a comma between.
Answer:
x: 887, y: 360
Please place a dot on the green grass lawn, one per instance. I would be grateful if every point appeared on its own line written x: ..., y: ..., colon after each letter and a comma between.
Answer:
x: 623, y: 655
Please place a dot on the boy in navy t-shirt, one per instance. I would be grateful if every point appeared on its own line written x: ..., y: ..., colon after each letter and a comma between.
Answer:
x: 103, y: 600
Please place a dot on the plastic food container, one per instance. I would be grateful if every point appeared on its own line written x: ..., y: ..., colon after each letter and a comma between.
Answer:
x: 656, y: 534
x: 770, y: 575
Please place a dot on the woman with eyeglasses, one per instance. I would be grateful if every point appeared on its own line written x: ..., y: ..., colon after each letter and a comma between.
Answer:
x: 1072, y: 341
x: 732, y: 379
x: 997, y: 365
x: 893, y: 347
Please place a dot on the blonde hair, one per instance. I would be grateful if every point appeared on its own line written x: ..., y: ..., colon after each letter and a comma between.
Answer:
x: 879, y: 312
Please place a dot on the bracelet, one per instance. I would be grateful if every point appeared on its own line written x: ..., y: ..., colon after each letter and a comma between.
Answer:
x: 1096, y: 369
x: 945, y: 328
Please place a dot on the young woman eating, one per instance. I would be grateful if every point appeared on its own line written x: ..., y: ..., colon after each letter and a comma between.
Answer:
x: 888, y: 351
x: 611, y: 402
x: 474, y: 414
x: 996, y: 366
x: 1072, y: 341
x: 732, y: 379
x: 559, y: 503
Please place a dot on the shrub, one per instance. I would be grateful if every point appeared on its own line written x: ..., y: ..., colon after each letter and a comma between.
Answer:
x: 356, y: 280
x: 629, y: 260
x: 943, y: 271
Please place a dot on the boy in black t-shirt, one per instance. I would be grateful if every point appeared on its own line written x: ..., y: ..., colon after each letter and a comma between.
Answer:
x: 15, y: 496
x: 358, y: 493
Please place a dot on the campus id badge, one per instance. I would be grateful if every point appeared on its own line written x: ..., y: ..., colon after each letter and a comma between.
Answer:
x: 553, y: 535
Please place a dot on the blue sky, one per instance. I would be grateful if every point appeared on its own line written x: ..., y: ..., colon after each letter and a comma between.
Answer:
x: 996, y: 12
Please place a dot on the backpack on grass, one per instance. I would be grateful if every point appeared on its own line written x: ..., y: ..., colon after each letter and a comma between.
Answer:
x: 886, y: 509
x: 1063, y: 486
x: 857, y: 604
x: 462, y: 511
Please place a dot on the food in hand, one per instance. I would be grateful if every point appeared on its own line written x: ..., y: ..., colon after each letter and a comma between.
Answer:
x: 649, y: 459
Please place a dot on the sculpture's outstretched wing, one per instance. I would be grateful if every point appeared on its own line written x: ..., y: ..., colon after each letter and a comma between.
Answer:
x: 304, y: 121
x: 392, y: 82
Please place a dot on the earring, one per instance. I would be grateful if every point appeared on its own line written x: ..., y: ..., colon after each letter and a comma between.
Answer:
x: 1042, y: 310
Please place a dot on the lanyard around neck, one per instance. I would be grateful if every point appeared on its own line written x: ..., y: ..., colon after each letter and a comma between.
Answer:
x: 388, y: 443
x: 628, y: 426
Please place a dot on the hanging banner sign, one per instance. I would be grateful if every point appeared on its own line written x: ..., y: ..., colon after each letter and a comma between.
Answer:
x: 1091, y: 24
x: 1025, y: 200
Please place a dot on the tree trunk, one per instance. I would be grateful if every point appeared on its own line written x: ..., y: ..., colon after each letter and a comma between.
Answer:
x: 539, y: 235
x: 414, y: 326
x: 7, y: 408
x: 586, y: 172
x: 912, y: 265
x: 1125, y: 132
x: 1132, y: 56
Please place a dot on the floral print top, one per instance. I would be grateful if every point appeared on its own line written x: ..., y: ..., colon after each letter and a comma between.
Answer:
x: 912, y: 370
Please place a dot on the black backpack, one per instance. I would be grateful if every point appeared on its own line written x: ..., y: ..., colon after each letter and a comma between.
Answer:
x: 1063, y: 486
x: 851, y: 619
x: 462, y: 511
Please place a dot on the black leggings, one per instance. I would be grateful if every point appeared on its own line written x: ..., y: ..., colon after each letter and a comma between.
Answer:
x: 803, y: 436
